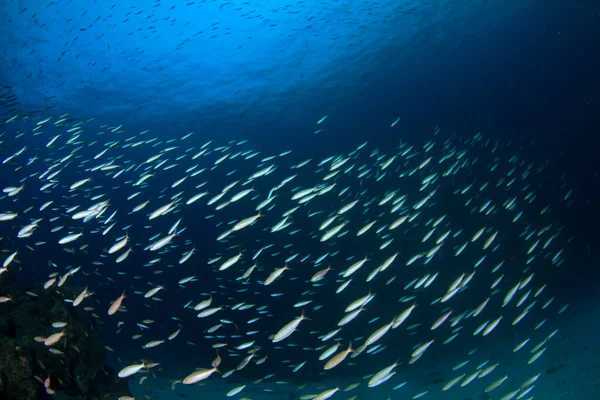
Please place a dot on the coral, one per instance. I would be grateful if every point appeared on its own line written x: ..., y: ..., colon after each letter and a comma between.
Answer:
x: 15, y: 374
x: 76, y: 368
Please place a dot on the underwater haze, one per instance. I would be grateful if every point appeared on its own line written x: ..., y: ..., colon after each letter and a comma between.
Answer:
x: 271, y: 68
x: 299, y: 199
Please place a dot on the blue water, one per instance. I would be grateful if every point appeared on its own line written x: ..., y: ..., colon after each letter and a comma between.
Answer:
x: 267, y: 71
x: 272, y: 69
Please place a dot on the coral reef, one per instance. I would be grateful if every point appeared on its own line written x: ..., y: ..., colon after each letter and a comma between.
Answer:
x: 72, y: 368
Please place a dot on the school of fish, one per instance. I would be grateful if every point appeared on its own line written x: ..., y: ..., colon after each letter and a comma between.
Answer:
x: 329, y: 261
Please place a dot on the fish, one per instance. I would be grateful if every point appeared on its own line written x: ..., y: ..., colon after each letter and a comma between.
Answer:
x: 288, y: 328
x: 131, y: 370
x: 338, y: 358
x: 114, y: 307
x: 198, y: 376
x: 434, y: 235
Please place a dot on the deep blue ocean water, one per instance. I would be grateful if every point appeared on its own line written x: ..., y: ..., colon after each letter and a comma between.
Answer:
x: 267, y: 71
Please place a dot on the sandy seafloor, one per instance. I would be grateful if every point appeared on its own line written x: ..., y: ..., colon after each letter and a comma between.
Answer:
x: 570, y: 369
